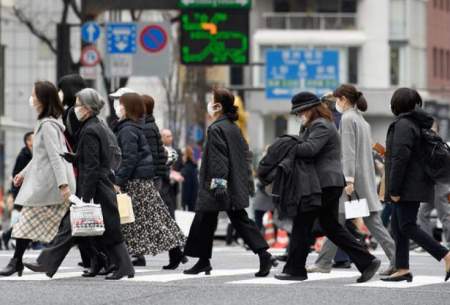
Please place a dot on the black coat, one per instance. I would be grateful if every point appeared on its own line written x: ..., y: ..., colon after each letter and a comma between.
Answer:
x: 321, y: 142
x: 22, y: 161
x: 226, y: 156
x: 72, y: 127
x: 94, y: 178
x: 137, y: 161
x: 405, y: 174
x: 190, y: 184
x: 159, y: 154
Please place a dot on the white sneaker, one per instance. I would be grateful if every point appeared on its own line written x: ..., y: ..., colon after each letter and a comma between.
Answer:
x: 317, y: 269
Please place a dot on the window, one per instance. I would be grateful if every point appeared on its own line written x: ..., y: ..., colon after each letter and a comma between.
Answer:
x: 435, y: 64
x: 441, y: 63
x: 353, y: 65
x: 395, y: 65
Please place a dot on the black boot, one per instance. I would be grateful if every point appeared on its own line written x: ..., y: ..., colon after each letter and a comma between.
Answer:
x: 98, y: 262
x: 266, y: 262
x: 124, y: 265
x: 139, y: 261
x: 203, y: 265
x: 14, y: 265
x: 175, y: 258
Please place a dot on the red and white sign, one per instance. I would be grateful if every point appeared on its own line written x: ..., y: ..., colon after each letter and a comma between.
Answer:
x: 90, y: 56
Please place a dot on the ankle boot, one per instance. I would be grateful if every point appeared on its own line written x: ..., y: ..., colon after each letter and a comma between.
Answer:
x: 14, y: 265
x: 175, y: 258
x: 124, y: 265
x: 266, y: 262
x: 203, y: 265
x: 139, y: 261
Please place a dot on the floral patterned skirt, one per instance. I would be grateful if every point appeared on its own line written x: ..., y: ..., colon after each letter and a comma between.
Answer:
x: 153, y: 231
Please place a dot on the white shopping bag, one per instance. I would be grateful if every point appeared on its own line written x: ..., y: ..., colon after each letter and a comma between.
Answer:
x: 356, y: 208
x: 86, y: 219
x: 184, y: 220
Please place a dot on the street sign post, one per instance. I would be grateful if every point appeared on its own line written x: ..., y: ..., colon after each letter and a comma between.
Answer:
x: 121, y: 38
x: 289, y: 71
x: 90, y: 56
x: 90, y: 32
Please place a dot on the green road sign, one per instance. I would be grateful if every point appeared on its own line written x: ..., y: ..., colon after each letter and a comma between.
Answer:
x: 246, y: 4
x: 214, y: 37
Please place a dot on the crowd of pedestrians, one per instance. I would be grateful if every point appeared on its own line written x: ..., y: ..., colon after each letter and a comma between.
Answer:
x: 308, y: 178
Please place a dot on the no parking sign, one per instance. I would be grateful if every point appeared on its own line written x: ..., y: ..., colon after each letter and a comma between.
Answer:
x: 153, y: 38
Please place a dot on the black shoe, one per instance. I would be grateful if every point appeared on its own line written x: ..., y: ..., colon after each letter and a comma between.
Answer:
x: 36, y: 267
x: 124, y: 265
x: 370, y: 271
x: 139, y: 261
x: 408, y: 277
x: 199, y: 267
x: 266, y: 262
x: 107, y: 270
x: 342, y: 265
x: 176, y: 257
x: 290, y: 277
x: 118, y: 275
x: 447, y: 275
x: 13, y: 266
x: 98, y: 262
x: 282, y: 258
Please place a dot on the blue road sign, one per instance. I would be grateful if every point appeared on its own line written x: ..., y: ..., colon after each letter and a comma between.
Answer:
x: 289, y: 71
x: 121, y: 38
x: 90, y: 32
x: 153, y: 38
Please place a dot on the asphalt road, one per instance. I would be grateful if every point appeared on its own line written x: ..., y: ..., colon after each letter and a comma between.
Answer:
x: 231, y: 282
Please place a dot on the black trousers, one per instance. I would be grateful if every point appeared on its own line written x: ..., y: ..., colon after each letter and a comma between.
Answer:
x: 404, y: 227
x: 328, y: 219
x: 201, y: 235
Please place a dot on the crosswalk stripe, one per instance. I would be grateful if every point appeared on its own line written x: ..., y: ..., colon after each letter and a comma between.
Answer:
x: 41, y: 276
x: 164, y: 278
x: 311, y: 277
x: 421, y: 280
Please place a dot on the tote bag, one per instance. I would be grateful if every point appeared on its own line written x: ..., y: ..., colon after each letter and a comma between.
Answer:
x: 125, y: 206
x: 356, y: 208
x: 86, y: 219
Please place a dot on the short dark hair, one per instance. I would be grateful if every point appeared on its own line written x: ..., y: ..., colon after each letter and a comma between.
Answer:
x: 405, y: 100
x: 226, y: 99
x: 70, y: 85
x: 134, y: 107
x: 149, y: 104
x: 47, y: 94
x: 354, y: 96
x: 27, y: 136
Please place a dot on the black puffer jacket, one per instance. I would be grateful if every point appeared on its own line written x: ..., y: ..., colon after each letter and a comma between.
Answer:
x: 137, y: 161
x: 159, y: 154
x: 22, y: 161
x: 226, y: 156
x: 405, y: 174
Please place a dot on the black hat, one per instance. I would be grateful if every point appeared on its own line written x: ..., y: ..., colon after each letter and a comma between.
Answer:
x: 303, y: 100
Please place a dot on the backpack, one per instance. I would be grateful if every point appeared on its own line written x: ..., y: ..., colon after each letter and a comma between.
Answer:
x: 114, y: 148
x: 436, y: 155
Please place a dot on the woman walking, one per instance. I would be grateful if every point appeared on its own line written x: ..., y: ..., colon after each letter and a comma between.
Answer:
x: 359, y: 172
x: 154, y: 231
x: 321, y: 143
x: 225, y: 178
x: 44, y: 201
x: 407, y: 184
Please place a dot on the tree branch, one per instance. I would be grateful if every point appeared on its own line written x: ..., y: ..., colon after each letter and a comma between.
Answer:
x: 135, y: 15
x: 76, y: 9
x: 31, y: 27
x: 65, y: 11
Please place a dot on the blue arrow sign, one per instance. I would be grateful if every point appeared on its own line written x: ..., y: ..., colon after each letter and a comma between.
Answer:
x: 90, y: 32
x: 121, y: 38
x: 289, y: 71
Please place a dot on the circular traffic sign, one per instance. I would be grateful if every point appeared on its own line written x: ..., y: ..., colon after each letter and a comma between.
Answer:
x: 90, y: 56
x: 90, y: 32
x: 153, y: 38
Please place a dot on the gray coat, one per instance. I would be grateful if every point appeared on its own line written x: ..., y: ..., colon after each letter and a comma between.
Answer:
x: 47, y: 170
x: 357, y: 157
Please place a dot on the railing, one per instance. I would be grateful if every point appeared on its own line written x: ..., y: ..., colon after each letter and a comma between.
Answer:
x: 313, y: 21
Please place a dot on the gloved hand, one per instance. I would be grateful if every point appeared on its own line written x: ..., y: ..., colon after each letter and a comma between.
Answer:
x: 69, y: 157
x: 221, y: 194
x: 157, y: 182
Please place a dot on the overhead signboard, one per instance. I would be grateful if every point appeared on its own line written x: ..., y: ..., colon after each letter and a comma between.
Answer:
x: 243, y: 4
x: 138, y: 49
x: 214, y: 37
x: 289, y: 71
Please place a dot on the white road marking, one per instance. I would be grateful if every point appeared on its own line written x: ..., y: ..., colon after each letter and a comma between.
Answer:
x: 41, y: 276
x: 164, y: 278
x: 420, y: 280
x: 311, y: 277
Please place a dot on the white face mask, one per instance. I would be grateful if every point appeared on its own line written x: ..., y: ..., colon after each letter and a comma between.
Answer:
x: 211, y: 110
x: 31, y: 101
x: 339, y: 108
x: 78, y: 113
x: 119, y: 111
x: 61, y: 95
